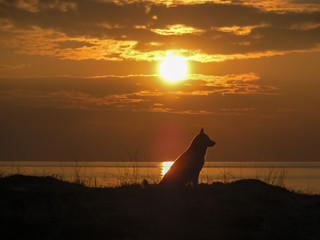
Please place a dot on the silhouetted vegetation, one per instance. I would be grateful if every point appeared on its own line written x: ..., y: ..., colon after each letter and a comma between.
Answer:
x: 47, y: 208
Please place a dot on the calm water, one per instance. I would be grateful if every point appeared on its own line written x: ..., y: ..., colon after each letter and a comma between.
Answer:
x: 300, y: 176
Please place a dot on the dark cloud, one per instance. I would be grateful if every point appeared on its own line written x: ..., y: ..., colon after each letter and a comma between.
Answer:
x: 136, y: 21
x: 305, y: 1
x: 90, y: 13
x: 74, y: 44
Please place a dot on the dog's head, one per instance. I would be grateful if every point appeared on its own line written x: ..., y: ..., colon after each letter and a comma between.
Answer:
x: 205, y: 140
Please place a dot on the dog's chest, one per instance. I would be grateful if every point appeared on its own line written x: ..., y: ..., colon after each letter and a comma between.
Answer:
x: 197, y: 162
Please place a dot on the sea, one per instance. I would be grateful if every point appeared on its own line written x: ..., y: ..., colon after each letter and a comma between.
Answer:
x: 301, y: 177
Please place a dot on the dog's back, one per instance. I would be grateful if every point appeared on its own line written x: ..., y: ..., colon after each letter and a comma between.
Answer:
x: 187, y: 167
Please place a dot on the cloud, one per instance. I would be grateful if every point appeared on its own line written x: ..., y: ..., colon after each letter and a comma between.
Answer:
x: 35, y: 6
x: 65, y: 99
x: 46, y: 42
x: 177, y: 29
x: 282, y: 6
x: 131, y: 93
x: 144, y: 31
x: 11, y: 67
x: 74, y: 44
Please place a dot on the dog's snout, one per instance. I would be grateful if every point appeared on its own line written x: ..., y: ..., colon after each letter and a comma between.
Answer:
x: 211, y: 143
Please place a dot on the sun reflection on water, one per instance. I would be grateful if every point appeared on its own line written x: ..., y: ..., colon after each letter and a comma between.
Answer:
x: 165, y: 166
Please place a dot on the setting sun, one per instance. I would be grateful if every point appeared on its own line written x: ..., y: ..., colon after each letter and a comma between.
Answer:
x: 165, y: 166
x: 173, y: 68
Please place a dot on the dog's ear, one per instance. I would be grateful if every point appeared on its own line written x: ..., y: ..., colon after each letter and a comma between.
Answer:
x: 201, y: 131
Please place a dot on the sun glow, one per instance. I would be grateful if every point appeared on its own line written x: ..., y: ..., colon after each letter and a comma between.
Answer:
x: 165, y: 166
x: 173, y: 68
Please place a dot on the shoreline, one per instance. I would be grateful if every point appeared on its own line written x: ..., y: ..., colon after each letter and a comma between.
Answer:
x: 299, y: 176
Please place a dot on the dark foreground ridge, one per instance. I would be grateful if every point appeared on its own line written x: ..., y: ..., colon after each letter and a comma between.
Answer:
x: 46, y: 208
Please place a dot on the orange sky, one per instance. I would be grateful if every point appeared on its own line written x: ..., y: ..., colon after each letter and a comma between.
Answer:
x: 79, y: 79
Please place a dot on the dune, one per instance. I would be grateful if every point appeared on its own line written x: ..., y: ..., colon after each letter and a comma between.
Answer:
x: 47, y: 208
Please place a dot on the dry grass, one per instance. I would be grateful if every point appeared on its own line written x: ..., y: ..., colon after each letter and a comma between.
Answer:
x: 129, y: 173
x: 272, y: 175
x: 276, y: 176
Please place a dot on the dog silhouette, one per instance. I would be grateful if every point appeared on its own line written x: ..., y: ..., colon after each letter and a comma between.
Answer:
x: 187, y: 166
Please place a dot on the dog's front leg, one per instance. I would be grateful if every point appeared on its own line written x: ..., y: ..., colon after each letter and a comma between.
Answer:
x: 195, y: 180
